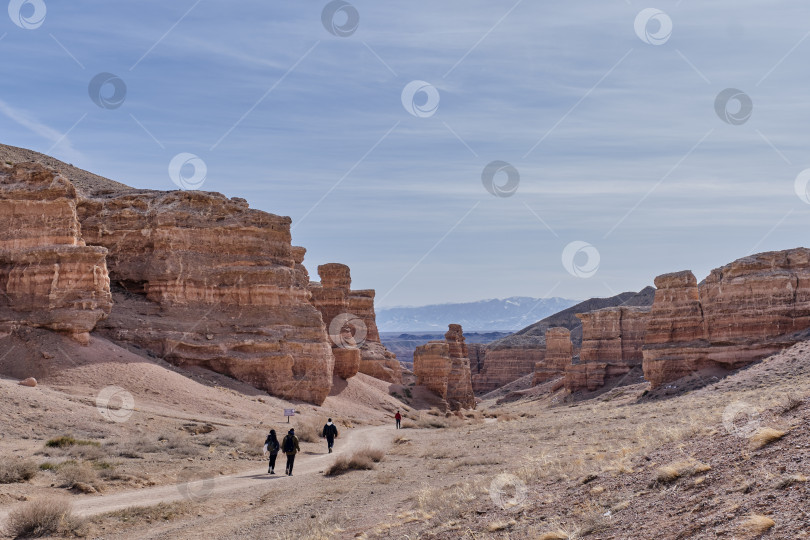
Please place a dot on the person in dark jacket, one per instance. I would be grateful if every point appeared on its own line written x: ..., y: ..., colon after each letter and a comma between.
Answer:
x: 398, y: 418
x: 330, y: 432
x: 272, y: 446
x: 290, y: 447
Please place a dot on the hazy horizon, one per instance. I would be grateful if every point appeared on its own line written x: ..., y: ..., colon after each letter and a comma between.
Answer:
x: 447, y: 153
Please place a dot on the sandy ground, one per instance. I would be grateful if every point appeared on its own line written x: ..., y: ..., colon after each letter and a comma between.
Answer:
x: 585, y: 466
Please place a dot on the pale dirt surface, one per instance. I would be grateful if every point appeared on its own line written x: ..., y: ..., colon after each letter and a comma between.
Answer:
x: 582, y: 466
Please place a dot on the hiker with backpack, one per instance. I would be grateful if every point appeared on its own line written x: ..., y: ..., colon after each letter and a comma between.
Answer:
x: 272, y: 447
x: 290, y: 447
x: 330, y: 432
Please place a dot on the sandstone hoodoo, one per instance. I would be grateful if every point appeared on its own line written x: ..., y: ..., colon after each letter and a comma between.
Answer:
x: 559, y: 355
x: 350, y: 319
x: 203, y: 280
x: 612, y: 341
x: 742, y: 312
x: 49, y: 278
x: 444, y: 368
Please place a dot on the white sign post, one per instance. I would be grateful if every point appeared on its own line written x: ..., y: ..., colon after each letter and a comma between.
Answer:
x: 288, y: 413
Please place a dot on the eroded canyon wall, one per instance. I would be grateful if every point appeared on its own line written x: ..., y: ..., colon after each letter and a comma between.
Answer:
x: 203, y: 280
x: 612, y: 341
x: 49, y: 278
x: 742, y: 312
x: 559, y: 355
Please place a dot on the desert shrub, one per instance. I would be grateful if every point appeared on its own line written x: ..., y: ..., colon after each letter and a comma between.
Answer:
x: 308, y: 429
x: 434, y: 423
x: 17, y: 470
x: 43, y: 517
x: 408, y: 424
x: 180, y: 445
x: 554, y: 535
x: 147, y: 514
x: 252, y: 444
x: 66, y: 441
x: 88, y: 451
x: 792, y: 402
x: 766, y: 436
x: 362, y: 460
x: 78, y: 476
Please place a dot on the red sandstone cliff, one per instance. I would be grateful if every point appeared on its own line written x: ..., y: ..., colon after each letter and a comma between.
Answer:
x: 558, y: 355
x: 742, y: 312
x: 444, y: 368
x: 197, y: 278
x: 612, y: 339
x: 49, y: 278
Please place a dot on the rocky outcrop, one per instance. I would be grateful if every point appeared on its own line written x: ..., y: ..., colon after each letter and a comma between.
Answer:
x: 612, y: 341
x: 49, y: 278
x: 203, y: 280
x: 477, y: 353
x: 742, y: 312
x: 517, y: 355
x: 351, y: 322
x: 444, y: 368
x: 558, y: 356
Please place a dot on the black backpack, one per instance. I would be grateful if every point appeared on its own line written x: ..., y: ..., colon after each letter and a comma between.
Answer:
x: 288, y: 445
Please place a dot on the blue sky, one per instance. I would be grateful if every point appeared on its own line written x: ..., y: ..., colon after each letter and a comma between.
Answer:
x: 616, y: 139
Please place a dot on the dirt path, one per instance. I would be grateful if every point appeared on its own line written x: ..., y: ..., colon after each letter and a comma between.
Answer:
x: 199, y: 487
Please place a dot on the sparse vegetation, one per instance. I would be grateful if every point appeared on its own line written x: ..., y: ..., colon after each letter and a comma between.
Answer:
x: 362, y: 460
x: 308, y: 429
x: 679, y: 469
x: 766, y: 436
x: 43, y: 517
x: 13, y: 471
x: 66, y: 441
x: 758, y: 524
x: 79, y: 476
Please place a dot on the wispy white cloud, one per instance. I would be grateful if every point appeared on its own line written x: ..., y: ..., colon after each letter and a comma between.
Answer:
x: 58, y: 142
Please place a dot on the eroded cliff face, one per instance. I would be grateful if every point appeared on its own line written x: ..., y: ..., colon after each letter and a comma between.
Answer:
x: 612, y: 341
x: 559, y: 355
x: 49, y: 278
x: 742, y: 312
x: 203, y: 280
x: 352, y: 324
x: 502, y: 366
x: 444, y: 368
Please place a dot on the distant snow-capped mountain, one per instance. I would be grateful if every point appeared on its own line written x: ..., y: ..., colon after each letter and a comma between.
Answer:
x: 485, y: 315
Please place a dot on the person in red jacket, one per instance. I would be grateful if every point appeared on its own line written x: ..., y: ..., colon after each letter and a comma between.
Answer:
x: 398, y: 418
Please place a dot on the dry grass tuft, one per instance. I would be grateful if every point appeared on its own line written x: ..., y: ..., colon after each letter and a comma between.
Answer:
x: 308, y: 429
x: 788, y: 481
x: 43, y: 517
x: 691, y: 467
x: 408, y: 424
x: 79, y: 476
x: 766, y: 436
x: 553, y: 535
x: 362, y: 460
x: 496, y: 526
x: 758, y: 524
x: 17, y: 470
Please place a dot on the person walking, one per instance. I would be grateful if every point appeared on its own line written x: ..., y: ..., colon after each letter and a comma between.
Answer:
x: 330, y: 432
x: 398, y: 418
x: 272, y: 446
x: 290, y: 447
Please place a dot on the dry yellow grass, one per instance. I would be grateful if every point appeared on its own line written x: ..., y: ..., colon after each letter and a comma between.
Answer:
x: 766, y: 436
x: 496, y: 526
x: 553, y: 535
x: 679, y: 469
x: 758, y: 524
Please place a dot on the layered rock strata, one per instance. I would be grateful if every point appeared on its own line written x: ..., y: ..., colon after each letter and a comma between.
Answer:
x: 612, y: 341
x: 203, y: 280
x: 517, y: 355
x: 742, y: 312
x: 558, y: 355
x: 350, y: 319
x: 49, y: 278
x: 444, y: 368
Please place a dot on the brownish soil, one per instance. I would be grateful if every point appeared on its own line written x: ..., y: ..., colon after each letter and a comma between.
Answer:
x: 597, y: 467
